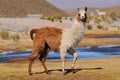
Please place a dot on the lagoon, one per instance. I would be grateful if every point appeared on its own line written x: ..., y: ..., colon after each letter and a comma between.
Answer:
x: 84, y: 53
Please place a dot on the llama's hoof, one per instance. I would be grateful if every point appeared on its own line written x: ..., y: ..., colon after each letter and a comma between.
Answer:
x: 72, y: 69
x: 47, y: 72
x: 65, y: 72
x: 30, y: 73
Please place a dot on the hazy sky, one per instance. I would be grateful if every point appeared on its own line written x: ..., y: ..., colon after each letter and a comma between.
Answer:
x: 68, y: 4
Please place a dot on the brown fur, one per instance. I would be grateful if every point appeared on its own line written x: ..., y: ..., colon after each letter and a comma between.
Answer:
x: 50, y: 35
x: 45, y: 39
x: 78, y: 18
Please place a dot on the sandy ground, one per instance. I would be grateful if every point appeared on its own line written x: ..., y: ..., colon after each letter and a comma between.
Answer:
x: 18, y: 24
x: 95, y: 69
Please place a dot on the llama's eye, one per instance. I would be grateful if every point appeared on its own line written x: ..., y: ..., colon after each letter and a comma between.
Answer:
x: 85, y: 15
x: 78, y: 14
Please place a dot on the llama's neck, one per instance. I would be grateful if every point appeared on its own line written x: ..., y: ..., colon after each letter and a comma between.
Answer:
x: 78, y: 29
x: 78, y: 26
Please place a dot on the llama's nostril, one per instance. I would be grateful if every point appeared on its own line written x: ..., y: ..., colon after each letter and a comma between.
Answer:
x: 82, y: 16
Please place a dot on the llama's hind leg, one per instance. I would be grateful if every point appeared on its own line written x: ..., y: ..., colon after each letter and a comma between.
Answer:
x: 42, y: 58
x: 32, y: 57
x: 72, y: 52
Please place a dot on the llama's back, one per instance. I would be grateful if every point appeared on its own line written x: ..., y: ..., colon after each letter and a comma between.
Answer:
x: 51, y: 35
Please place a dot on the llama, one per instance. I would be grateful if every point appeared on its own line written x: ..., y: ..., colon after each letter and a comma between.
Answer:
x: 59, y: 40
x: 101, y: 13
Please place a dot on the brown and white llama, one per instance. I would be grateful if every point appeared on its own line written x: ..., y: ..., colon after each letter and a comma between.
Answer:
x: 58, y: 40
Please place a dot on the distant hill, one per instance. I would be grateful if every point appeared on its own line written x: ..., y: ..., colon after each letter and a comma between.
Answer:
x: 115, y: 9
x: 20, y: 8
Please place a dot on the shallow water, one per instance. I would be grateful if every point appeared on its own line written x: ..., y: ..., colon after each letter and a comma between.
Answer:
x: 84, y: 53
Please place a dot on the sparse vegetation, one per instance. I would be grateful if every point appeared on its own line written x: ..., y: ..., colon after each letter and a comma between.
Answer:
x: 97, y: 20
x: 71, y: 18
x: 26, y: 30
x: 57, y: 17
x: 113, y: 16
x: 53, y: 18
x: 42, y: 17
x: 66, y: 18
x: 89, y: 19
x: 60, y: 21
x: 89, y: 26
x: 105, y: 28
x: 104, y: 18
x: 4, y: 34
x: 99, y: 26
x: 15, y: 37
x: 49, y: 17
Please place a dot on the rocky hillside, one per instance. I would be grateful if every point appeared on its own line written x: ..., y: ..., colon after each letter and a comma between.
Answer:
x: 20, y: 8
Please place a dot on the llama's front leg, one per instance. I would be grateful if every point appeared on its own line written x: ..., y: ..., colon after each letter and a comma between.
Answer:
x: 63, y: 55
x: 72, y: 52
x: 74, y: 61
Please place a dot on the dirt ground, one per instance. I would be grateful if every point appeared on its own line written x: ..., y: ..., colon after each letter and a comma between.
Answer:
x: 95, y: 69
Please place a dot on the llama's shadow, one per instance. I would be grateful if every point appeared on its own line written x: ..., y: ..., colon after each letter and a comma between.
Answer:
x: 70, y: 70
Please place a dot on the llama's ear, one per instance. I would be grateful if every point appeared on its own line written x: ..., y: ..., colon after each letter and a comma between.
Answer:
x: 85, y: 8
x: 78, y: 9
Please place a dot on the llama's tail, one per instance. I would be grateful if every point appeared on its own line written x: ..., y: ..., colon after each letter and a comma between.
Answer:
x: 32, y: 32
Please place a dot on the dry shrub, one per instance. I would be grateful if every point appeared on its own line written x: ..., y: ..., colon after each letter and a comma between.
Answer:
x: 4, y: 34
x: 100, y: 26
x: 15, y: 37
x: 89, y: 26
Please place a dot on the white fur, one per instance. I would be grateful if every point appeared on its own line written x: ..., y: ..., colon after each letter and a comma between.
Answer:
x: 81, y: 12
x: 72, y: 36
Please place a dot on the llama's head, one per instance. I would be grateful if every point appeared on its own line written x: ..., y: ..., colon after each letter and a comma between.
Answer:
x: 82, y: 15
